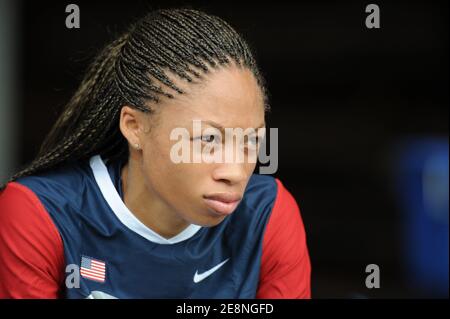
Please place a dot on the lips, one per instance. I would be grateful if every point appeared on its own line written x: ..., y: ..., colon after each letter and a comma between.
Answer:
x: 222, y: 203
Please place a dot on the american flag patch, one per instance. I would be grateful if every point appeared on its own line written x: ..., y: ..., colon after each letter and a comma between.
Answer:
x: 92, y: 269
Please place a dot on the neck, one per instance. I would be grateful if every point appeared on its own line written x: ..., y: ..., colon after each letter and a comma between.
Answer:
x: 146, y: 204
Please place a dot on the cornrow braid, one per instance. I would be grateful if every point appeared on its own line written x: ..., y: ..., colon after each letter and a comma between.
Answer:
x: 133, y: 70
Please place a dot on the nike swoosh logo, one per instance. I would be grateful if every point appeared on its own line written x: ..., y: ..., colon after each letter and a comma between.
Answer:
x: 199, y: 277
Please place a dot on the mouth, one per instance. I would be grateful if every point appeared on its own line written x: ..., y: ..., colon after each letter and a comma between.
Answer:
x: 222, y: 203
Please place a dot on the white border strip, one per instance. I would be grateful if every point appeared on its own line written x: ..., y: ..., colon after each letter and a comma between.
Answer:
x: 122, y: 212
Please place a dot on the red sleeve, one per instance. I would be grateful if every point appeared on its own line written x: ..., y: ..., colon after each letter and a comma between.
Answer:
x: 31, y: 249
x: 285, y: 265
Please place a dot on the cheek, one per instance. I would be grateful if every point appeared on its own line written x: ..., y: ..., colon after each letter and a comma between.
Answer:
x: 157, y: 166
x: 175, y: 183
x: 249, y: 169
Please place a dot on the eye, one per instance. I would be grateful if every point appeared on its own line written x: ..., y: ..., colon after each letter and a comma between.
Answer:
x: 252, y: 140
x: 210, y: 138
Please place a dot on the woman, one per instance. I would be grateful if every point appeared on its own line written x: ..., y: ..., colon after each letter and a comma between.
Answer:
x: 105, y: 210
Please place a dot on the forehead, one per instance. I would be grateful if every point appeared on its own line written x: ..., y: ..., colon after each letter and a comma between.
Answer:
x: 229, y: 96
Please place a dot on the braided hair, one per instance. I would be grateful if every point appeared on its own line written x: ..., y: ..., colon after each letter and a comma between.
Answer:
x: 134, y: 70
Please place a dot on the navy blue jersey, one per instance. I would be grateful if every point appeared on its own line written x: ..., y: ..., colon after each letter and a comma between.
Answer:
x: 118, y: 256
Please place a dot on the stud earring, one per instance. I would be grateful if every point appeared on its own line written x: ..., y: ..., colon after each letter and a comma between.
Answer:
x: 137, y: 146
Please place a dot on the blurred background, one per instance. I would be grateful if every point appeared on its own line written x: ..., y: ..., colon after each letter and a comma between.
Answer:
x: 362, y: 116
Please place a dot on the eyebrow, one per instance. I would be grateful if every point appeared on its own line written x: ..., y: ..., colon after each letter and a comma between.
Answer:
x: 220, y: 127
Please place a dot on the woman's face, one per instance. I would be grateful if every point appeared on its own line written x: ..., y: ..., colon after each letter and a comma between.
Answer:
x: 203, y: 193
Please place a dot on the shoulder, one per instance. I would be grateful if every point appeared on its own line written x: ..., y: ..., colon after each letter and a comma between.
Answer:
x: 268, y: 208
x: 260, y: 190
x: 21, y: 211
x: 31, y: 249
x: 284, y: 209
x: 270, y: 191
x: 285, y: 264
x: 285, y: 267
x: 17, y: 203
x: 68, y: 177
x: 59, y: 186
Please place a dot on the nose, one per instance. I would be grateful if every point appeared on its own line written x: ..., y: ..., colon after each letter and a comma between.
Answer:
x: 230, y: 173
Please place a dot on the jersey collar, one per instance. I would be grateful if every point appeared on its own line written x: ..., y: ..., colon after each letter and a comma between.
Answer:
x: 112, y: 197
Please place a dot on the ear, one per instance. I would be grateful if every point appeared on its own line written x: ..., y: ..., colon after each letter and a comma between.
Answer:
x: 132, y: 126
